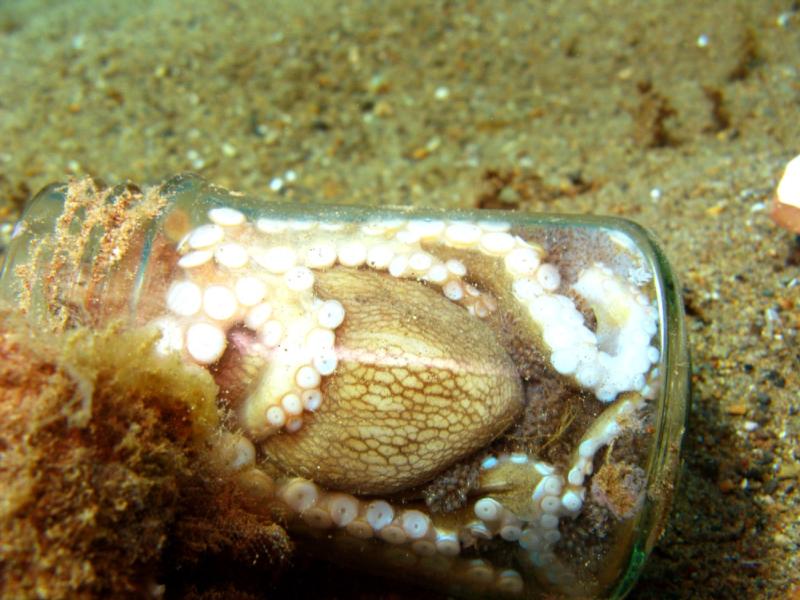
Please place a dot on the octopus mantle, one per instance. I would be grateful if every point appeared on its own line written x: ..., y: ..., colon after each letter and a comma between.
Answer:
x: 419, y: 385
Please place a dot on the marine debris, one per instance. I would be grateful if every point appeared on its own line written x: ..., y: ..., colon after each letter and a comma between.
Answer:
x: 362, y: 357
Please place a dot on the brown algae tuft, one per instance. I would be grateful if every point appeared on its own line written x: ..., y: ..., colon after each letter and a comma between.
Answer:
x: 107, y: 487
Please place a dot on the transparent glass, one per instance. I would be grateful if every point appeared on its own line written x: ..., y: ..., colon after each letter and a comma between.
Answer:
x: 484, y: 403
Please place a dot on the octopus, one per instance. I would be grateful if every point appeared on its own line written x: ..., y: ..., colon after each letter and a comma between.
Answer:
x: 363, y: 357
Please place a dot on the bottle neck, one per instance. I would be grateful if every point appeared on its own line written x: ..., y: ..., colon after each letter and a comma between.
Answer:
x: 76, y: 256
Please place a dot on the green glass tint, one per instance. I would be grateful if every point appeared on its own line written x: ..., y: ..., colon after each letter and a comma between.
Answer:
x: 484, y: 403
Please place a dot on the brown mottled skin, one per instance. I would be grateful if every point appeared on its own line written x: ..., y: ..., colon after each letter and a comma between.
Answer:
x: 420, y: 384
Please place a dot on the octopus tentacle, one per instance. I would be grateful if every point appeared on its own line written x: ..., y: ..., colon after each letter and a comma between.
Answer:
x: 344, y: 372
x: 554, y: 496
x: 404, y: 399
x: 612, y: 360
x: 531, y: 521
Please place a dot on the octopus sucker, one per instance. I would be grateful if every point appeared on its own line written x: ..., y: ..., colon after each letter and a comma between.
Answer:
x: 381, y: 373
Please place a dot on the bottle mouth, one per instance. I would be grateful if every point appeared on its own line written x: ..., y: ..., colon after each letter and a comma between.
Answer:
x: 73, y: 254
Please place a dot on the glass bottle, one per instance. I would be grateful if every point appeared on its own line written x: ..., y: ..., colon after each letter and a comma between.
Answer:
x: 485, y: 403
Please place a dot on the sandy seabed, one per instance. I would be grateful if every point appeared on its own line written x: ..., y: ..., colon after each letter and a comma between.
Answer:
x: 679, y: 116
